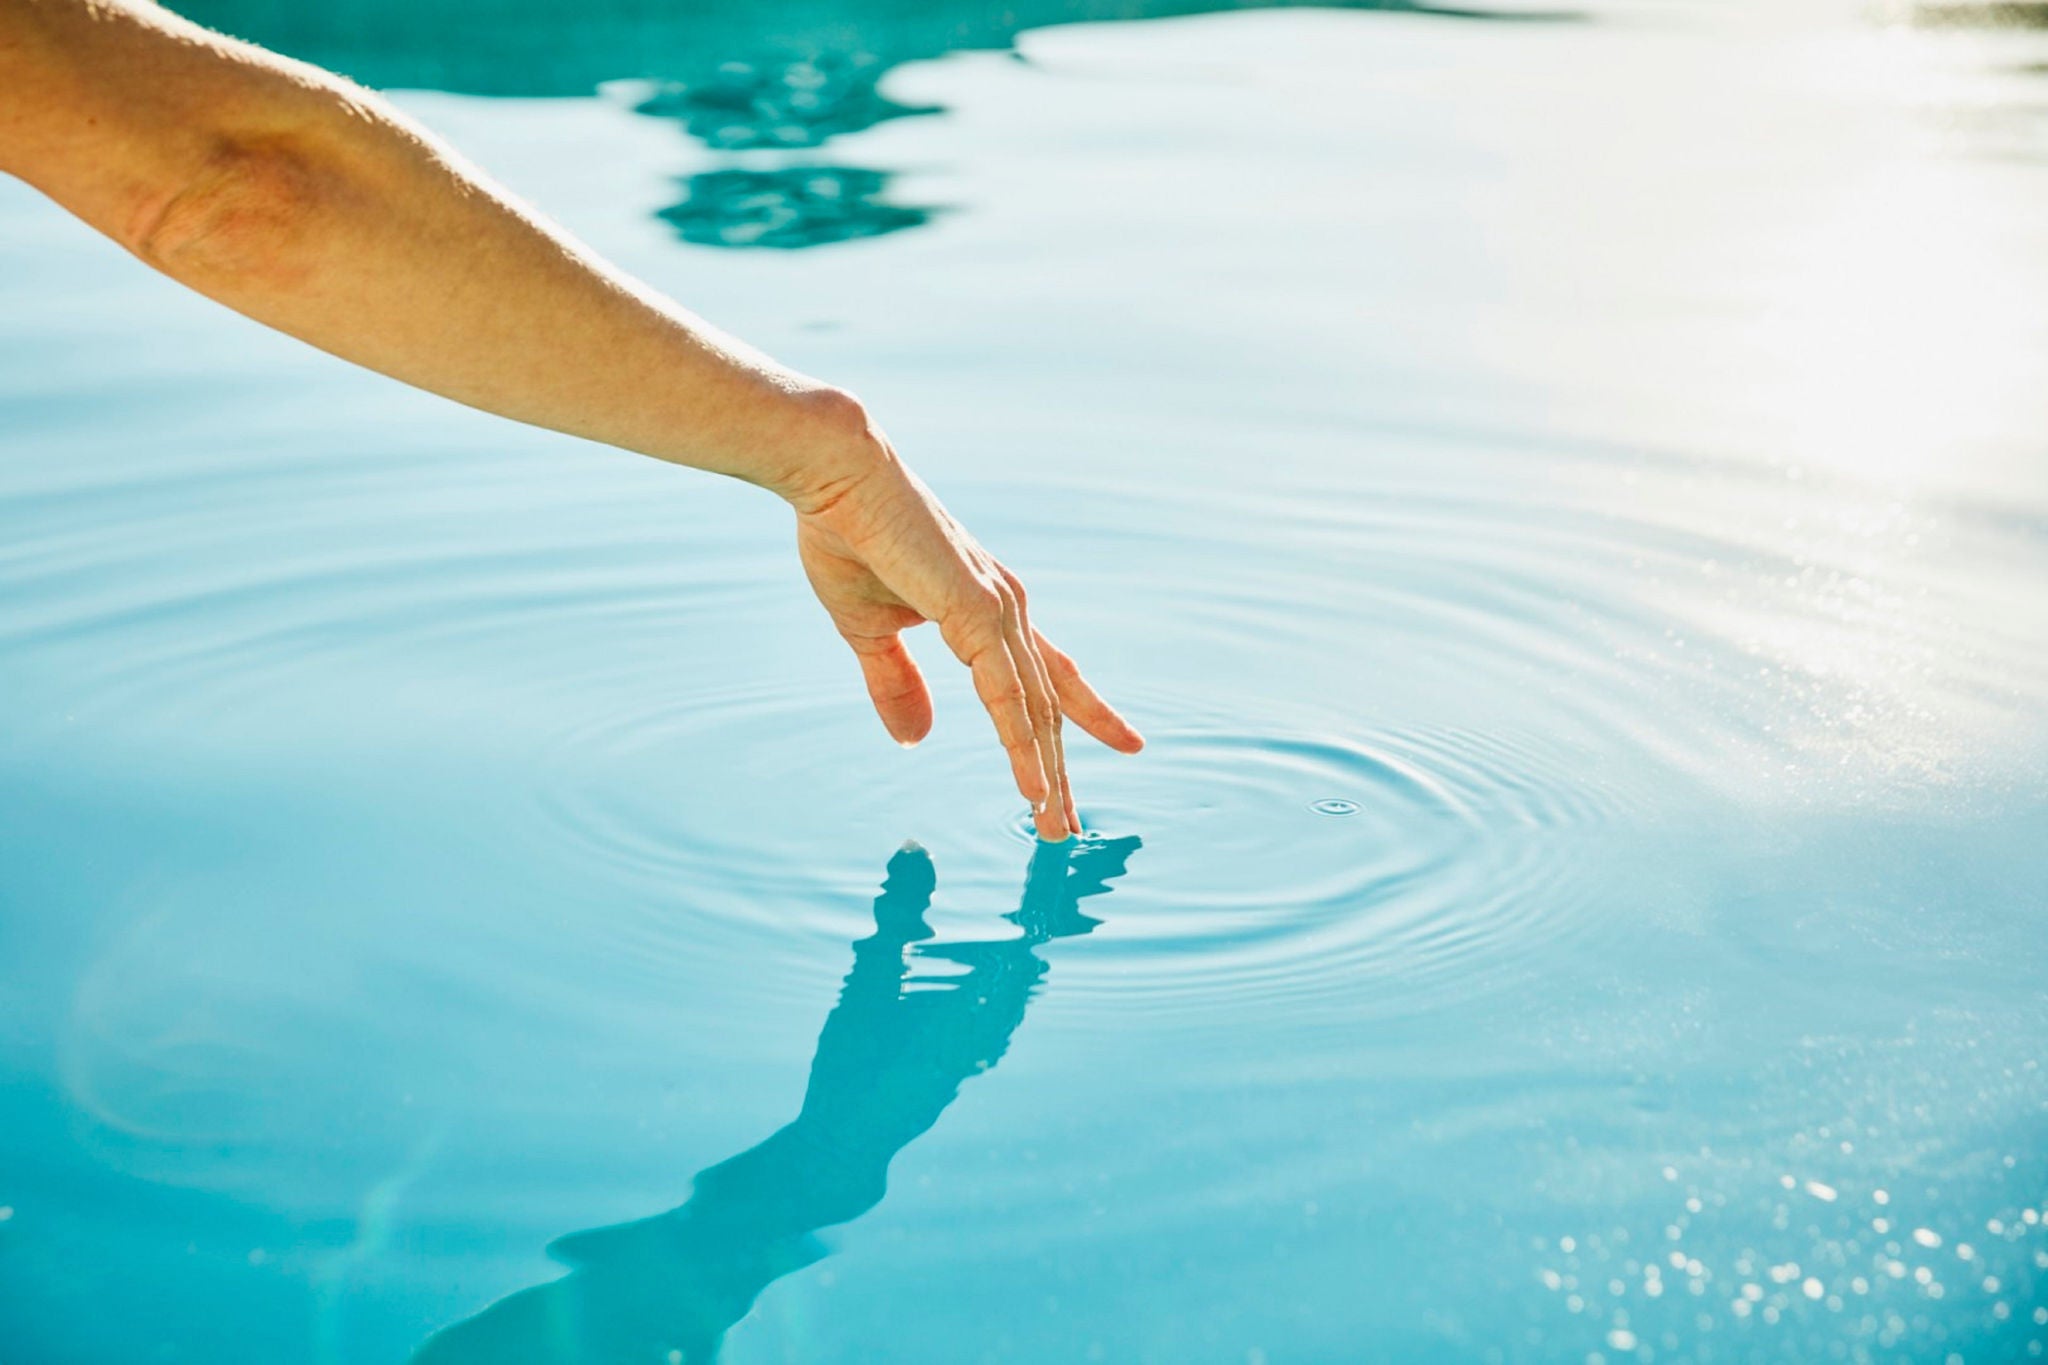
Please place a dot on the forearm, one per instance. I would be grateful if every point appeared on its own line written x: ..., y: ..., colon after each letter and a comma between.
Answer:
x: 314, y: 207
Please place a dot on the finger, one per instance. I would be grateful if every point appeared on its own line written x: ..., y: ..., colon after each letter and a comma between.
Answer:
x: 1045, y: 713
x: 895, y: 685
x: 1059, y: 745
x: 1001, y: 689
x: 1000, y: 684
x: 1045, y: 724
x: 1055, y: 818
x: 1083, y: 704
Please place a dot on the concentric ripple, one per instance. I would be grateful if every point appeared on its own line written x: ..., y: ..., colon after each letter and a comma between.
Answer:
x: 1453, y: 849
x: 1457, y: 854
x: 654, y: 795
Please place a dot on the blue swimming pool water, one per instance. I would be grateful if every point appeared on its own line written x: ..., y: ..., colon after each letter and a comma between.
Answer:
x: 1566, y: 500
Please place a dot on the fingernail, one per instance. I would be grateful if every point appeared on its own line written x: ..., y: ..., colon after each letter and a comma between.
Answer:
x: 906, y: 744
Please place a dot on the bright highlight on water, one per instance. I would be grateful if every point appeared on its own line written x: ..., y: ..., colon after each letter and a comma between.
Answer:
x: 1564, y: 496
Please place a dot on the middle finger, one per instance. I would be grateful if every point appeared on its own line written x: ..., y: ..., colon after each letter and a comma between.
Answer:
x: 1058, y: 820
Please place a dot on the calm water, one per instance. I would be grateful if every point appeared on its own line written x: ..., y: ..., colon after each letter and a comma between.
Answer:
x: 1568, y: 499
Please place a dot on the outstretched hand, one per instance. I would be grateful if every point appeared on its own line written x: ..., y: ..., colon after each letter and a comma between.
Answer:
x: 314, y: 207
x: 883, y: 555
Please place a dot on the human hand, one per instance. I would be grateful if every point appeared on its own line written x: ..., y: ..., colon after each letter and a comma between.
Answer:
x: 314, y: 207
x: 884, y: 555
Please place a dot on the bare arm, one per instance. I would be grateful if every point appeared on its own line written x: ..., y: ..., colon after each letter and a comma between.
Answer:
x: 314, y: 207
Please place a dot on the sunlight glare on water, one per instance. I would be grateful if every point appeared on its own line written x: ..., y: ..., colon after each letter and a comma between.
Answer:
x: 1565, y: 499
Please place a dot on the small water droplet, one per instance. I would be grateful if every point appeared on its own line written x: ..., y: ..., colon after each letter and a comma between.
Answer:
x: 1335, y: 805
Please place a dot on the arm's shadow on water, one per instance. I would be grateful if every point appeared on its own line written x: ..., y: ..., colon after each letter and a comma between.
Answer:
x: 890, y: 1059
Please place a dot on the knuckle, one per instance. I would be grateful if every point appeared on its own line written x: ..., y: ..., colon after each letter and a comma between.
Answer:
x: 986, y: 604
x: 970, y: 635
x: 998, y: 691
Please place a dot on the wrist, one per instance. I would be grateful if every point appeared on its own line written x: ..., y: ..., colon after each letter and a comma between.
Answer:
x: 834, y: 448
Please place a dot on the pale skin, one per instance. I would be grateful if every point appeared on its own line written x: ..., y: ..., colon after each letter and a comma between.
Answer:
x: 314, y: 207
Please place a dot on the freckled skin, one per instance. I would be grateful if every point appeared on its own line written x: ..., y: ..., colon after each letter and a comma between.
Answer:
x: 311, y: 205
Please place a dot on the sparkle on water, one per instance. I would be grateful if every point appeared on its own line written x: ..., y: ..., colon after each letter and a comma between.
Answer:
x: 459, y: 906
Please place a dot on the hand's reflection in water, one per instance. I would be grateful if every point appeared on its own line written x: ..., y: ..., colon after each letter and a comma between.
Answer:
x: 889, y: 1061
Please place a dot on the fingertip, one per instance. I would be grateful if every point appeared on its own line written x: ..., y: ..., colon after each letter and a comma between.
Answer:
x: 909, y: 729
x: 1106, y: 727
x: 1120, y: 737
x: 898, y: 692
x: 906, y: 726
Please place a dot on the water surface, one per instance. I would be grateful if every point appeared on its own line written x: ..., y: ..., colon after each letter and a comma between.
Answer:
x: 1565, y: 498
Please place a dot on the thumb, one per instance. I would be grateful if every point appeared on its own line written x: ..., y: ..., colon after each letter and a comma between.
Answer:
x: 897, y: 687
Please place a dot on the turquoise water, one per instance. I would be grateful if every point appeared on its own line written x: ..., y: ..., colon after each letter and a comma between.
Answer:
x: 1567, y: 499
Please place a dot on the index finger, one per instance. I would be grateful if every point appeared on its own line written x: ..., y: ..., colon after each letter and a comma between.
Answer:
x: 1000, y: 686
